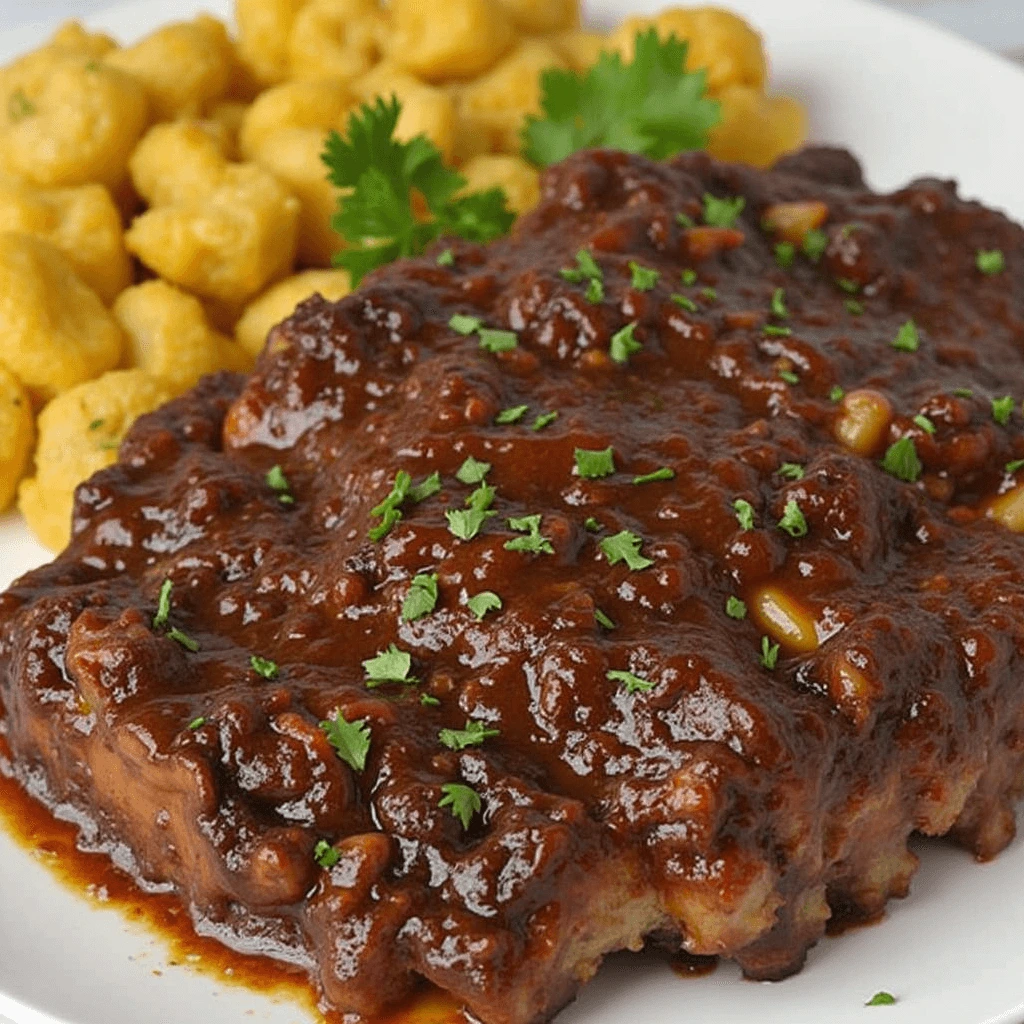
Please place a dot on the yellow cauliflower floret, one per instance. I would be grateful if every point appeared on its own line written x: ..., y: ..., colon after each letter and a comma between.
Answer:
x: 69, y: 121
x: 579, y: 49
x: 337, y: 39
x: 321, y: 104
x: 54, y: 330
x: 179, y: 160
x: 755, y: 128
x: 520, y: 180
x: 264, y: 28
x: 184, y: 66
x: 226, y: 243
x: 17, y: 432
x: 169, y: 336
x: 279, y: 302
x: 537, y: 16
x: 82, y: 222
x: 720, y: 41
x: 79, y: 433
x: 497, y: 103
x: 228, y: 117
x: 458, y: 41
x: 73, y: 39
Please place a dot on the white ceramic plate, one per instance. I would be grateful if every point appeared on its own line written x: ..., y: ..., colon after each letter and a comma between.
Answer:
x: 911, y: 101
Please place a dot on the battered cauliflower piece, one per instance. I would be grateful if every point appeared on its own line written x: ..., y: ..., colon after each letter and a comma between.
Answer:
x: 227, y: 242
x: 169, y: 336
x: 17, y: 433
x: 264, y: 28
x: 79, y: 434
x: 458, y: 41
x: 580, y: 50
x: 322, y: 105
x: 184, y: 67
x: 69, y: 120
x: 520, y: 180
x: 72, y: 39
x: 179, y: 160
x: 755, y: 128
x: 82, y: 222
x: 339, y: 39
x: 539, y: 16
x: 279, y: 302
x: 55, y: 331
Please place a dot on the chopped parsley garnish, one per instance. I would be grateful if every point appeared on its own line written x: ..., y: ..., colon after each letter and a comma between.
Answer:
x: 512, y: 415
x: 1002, y: 409
x: 593, y: 465
x: 901, y: 460
x: 848, y: 286
x: 389, y: 511
x: 777, y: 332
x: 881, y: 999
x: 769, y: 654
x: 624, y: 546
x: 836, y: 394
x: 184, y: 639
x: 689, y: 277
x: 426, y: 488
x: 534, y: 542
x: 793, y: 521
x: 854, y: 307
x: 428, y: 700
x: 19, y: 106
x: 735, y: 608
x: 664, y: 473
x: 722, y: 213
x: 462, y: 323
x: 493, y: 341
x: 472, y: 471
x: 907, y: 338
x: 789, y: 377
x: 685, y: 302
x: 264, y: 667
x: 390, y: 666
x: 791, y: 471
x: 586, y: 269
x: 653, y: 105
x: 709, y: 293
x: 163, y: 605
x: 602, y: 620
x: 814, y: 244
x: 785, y: 254
x: 963, y: 392
x: 1012, y: 467
x: 422, y: 597
x: 924, y: 423
x: 779, y: 304
x: 466, y: 523
x: 624, y: 344
x: 96, y: 424
x: 990, y: 261
x: 592, y: 525
x: 545, y: 419
x: 482, y: 498
x: 197, y: 723
x: 472, y: 736
x: 744, y: 513
x: 595, y: 291
x: 398, y: 197
x: 351, y: 740
x: 325, y: 855
x: 446, y: 258
x: 684, y: 220
x: 462, y: 800
x: 632, y: 683
x: 278, y: 482
x: 643, y: 279
x: 482, y: 603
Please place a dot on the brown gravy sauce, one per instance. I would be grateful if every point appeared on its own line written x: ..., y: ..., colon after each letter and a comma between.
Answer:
x: 94, y: 877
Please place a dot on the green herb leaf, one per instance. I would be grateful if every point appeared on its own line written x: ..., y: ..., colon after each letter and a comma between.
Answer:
x: 793, y: 521
x: 512, y: 415
x: 709, y: 293
x: 586, y: 269
x: 462, y: 323
x: 426, y: 488
x: 472, y: 471
x: 467, y: 523
x: 744, y: 514
x: 854, y: 307
x: 722, y: 213
x: 484, y: 602
x: 163, y: 605
x: 390, y: 666
x: 684, y: 220
x: 379, y: 176
x: 901, y: 460
x: 624, y: 344
x: 592, y: 465
x: 735, y: 608
x: 624, y: 546
x: 848, y: 286
x: 925, y: 424
x: 351, y: 740
x: 446, y: 258
x: 814, y: 244
x: 264, y: 667
x: 421, y: 598
x: 1012, y: 467
x: 907, y: 339
x: 595, y: 291
x: 389, y: 517
x: 462, y: 800
x: 472, y: 736
x: 592, y: 525
x: 769, y: 654
x: 19, y: 106
x: 789, y: 377
x: 96, y: 424
x: 643, y: 279
x: 544, y: 420
x: 602, y: 620
x: 881, y: 999
x: 493, y: 341
x: 533, y: 542
x: 685, y: 302
x: 197, y: 723
x: 665, y: 473
x: 429, y: 700
x: 689, y: 277
x: 482, y: 498
x: 785, y: 255
x: 325, y: 855
x: 837, y: 394
x: 777, y: 332
x: 278, y: 482
x: 963, y: 392
x: 1002, y: 409
x: 990, y: 261
x: 184, y: 639
x: 632, y: 683
x: 791, y: 471
x: 779, y: 308
x: 652, y: 106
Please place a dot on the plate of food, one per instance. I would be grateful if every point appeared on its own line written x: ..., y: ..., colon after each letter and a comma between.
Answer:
x: 503, y: 530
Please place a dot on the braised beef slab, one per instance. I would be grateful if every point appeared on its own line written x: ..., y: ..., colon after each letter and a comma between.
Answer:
x: 685, y: 720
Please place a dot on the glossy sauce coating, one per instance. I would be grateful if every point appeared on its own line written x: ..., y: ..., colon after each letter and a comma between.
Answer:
x: 735, y: 779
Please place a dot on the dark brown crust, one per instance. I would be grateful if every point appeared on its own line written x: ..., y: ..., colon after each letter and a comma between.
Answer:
x: 729, y: 808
